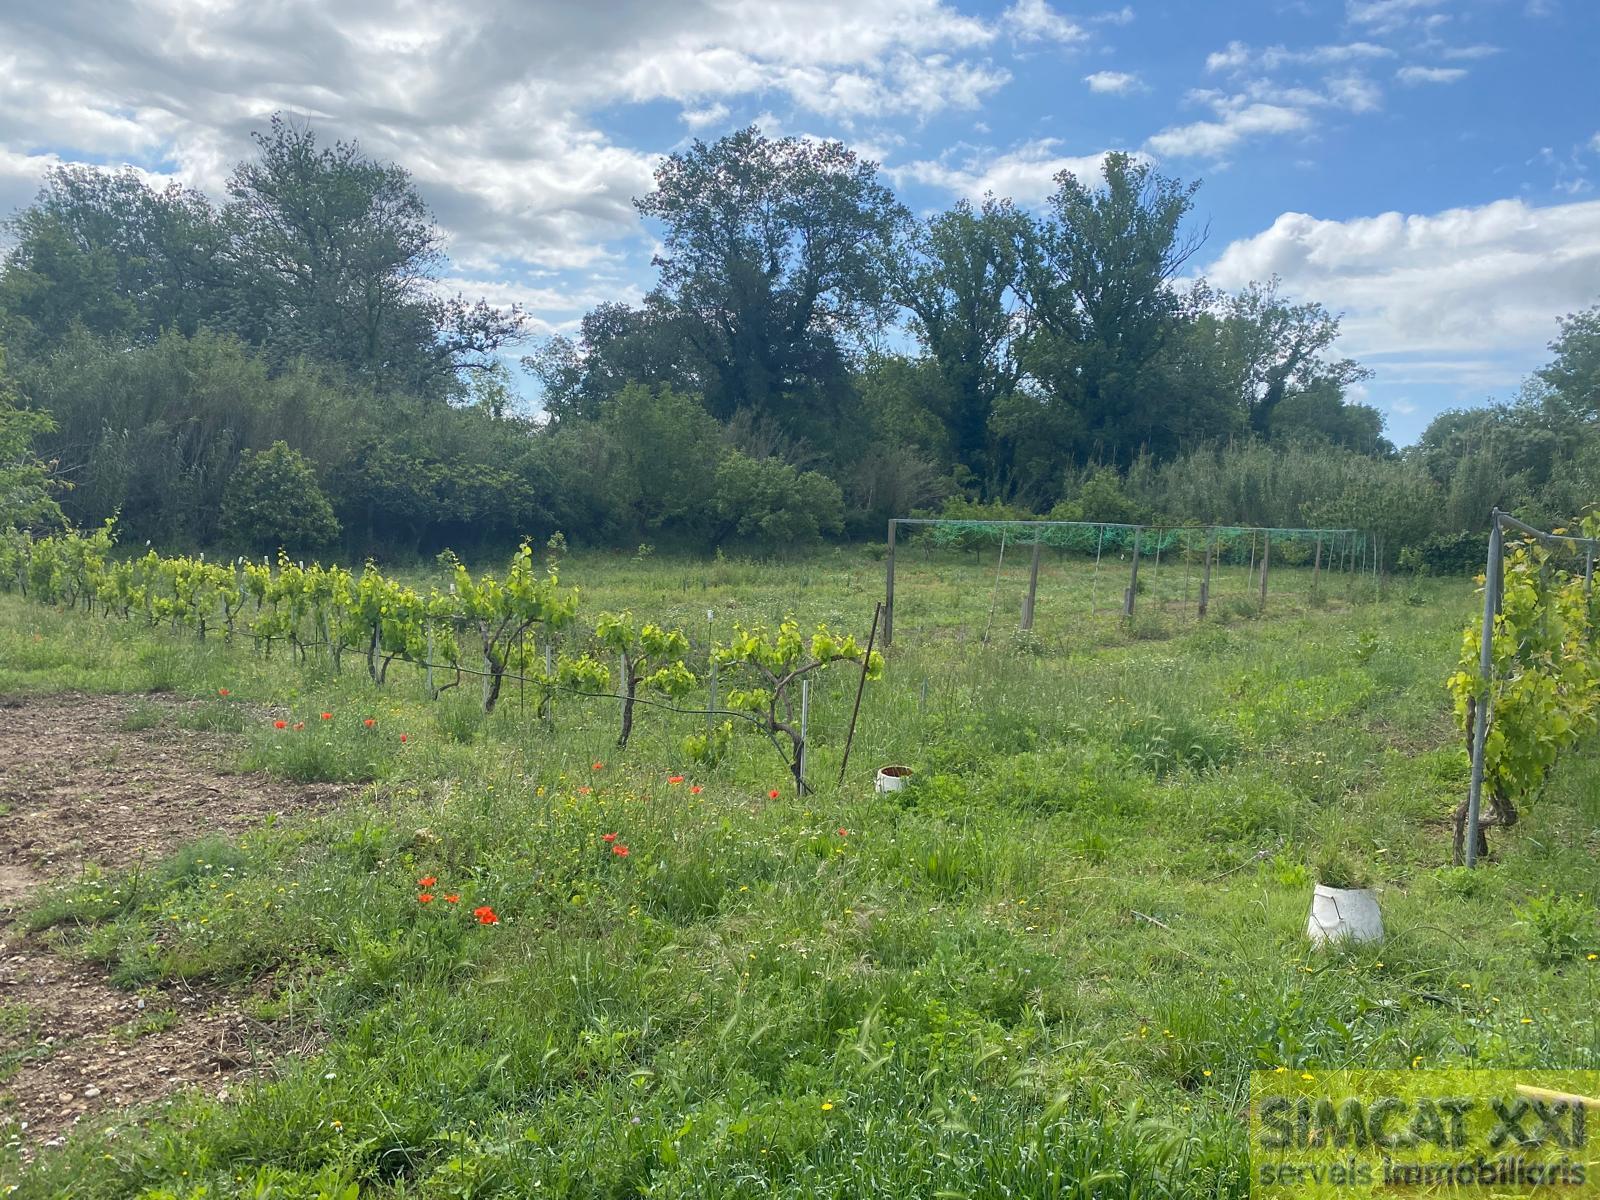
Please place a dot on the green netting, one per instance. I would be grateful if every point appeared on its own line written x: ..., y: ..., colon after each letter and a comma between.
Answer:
x: 1101, y: 538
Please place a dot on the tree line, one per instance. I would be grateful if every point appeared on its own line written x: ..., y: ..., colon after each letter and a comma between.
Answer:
x: 285, y: 367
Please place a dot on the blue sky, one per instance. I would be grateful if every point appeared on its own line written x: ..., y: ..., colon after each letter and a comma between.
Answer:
x: 1425, y: 167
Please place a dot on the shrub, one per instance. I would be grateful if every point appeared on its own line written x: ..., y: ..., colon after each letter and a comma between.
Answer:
x: 273, y: 500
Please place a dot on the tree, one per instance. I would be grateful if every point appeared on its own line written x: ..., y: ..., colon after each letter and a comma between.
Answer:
x: 26, y: 483
x: 956, y: 273
x: 103, y: 251
x: 1278, y: 349
x: 1095, y: 275
x: 1573, y: 376
x: 340, y: 258
x: 769, y: 263
x: 273, y: 501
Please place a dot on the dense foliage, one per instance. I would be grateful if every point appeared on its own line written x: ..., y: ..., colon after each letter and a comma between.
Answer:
x: 1544, y: 693
x: 1049, y: 360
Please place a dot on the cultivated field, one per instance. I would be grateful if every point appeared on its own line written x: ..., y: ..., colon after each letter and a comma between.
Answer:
x: 1047, y: 969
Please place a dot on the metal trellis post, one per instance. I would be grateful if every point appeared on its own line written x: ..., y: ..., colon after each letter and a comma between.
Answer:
x: 1480, y: 725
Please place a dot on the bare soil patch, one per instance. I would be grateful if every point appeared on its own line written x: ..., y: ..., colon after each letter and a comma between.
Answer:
x: 80, y: 788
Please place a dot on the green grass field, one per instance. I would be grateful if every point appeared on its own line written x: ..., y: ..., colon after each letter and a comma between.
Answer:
x: 1047, y: 969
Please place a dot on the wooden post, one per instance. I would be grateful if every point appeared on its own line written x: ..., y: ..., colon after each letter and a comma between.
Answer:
x: 1133, y: 577
x: 888, y: 590
x: 1033, y: 590
x: 805, y: 721
x: 1266, y: 562
x: 1205, y: 579
x: 1588, y: 570
x: 1316, y: 565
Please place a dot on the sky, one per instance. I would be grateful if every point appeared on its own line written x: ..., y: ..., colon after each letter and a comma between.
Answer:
x: 1428, y: 169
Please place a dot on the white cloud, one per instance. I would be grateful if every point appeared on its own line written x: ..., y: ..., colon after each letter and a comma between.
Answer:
x: 1119, y: 16
x: 1430, y: 290
x: 1238, y: 120
x: 493, y: 106
x: 702, y: 118
x: 1026, y: 174
x: 1233, y: 57
x: 1238, y: 55
x: 1355, y: 92
x: 1036, y: 21
x: 1412, y: 76
x: 1115, y: 83
x: 1594, y: 143
x: 1383, y: 16
x: 1469, y: 52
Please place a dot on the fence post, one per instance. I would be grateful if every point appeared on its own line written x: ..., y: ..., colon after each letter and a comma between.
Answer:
x: 1266, y: 562
x: 1205, y: 578
x: 1033, y: 589
x: 1588, y: 570
x: 888, y: 589
x: 1133, y: 577
x: 1480, y: 724
x: 1316, y: 566
x: 428, y: 666
x: 805, y: 722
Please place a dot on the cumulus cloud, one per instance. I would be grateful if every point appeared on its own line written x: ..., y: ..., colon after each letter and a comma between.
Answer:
x: 1237, y: 120
x: 1115, y: 83
x: 1026, y: 174
x: 1455, y: 296
x: 1238, y: 56
x: 1036, y: 21
x: 492, y: 106
x: 1412, y: 76
x: 1384, y: 16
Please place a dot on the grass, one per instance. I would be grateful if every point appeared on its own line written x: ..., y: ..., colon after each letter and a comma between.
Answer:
x: 1046, y: 968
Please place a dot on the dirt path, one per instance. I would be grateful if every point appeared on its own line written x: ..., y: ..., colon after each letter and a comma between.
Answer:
x: 82, y: 785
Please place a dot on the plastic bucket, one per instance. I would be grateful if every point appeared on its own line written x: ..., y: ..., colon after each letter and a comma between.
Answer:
x: 1340, y: 914
x: 892, y: 779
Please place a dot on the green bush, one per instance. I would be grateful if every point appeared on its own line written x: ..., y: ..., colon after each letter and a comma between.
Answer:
x: 273, y: 500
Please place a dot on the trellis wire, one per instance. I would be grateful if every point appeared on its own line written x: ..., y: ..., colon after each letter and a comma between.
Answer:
x: 1219, y: 543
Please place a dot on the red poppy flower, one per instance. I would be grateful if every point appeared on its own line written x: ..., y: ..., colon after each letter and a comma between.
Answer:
x: 222, y: 691
x: 452, y: 898
x: 299, y: 725
x: 620, y: 850
x: 674, y: 778
x: 327, y: 716
x: 427, y: 881
x: 280, y: 724
x: 608, y: 837
x: 842, y: 831
x: 584, y: 791
x: 425, y: 898
x: 696, y: 790
x: 773, y: 794
x: 369, y: 722
x: 485, y: 915
x: 403, y: 736
x: 597, y: 766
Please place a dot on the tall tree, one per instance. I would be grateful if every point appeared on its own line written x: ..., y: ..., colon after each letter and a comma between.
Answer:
x: 956, y: 273
x: 103, y: 251
x: 342, y: 259
x: 1573, y: 376
x: 769, y: 259
x: 1280, y: 348
x: 1095, y: 274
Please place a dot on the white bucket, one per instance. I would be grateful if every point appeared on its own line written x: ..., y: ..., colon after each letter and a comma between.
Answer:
x: 892, y: 779
x: 1338, y: 914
